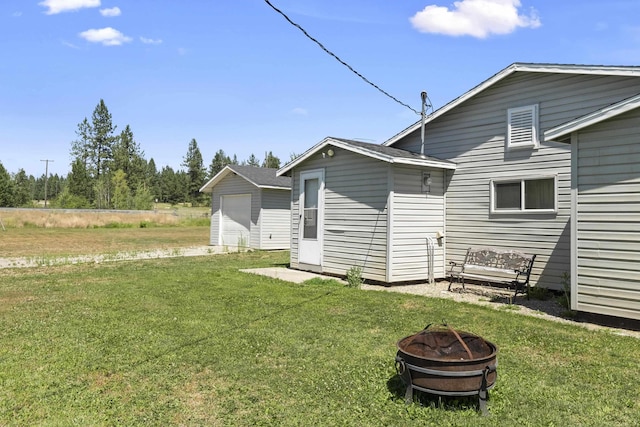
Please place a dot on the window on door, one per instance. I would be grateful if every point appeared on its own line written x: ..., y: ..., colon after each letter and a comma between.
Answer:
x: 310, y: 214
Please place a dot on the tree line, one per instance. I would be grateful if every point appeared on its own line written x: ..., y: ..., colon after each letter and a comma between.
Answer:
x: 109, y: 171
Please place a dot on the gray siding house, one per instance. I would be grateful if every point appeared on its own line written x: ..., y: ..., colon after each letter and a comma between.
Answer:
x: 492, y: 175
x: 366, y: 205
x: 250, y: 208
x: 605, y: 208
x: 512, y: 185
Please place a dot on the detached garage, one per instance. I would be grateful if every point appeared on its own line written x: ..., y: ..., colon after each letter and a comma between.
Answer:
x: 250, y: 208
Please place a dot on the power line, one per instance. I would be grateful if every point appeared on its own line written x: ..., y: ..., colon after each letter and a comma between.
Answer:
x: 340, y: 60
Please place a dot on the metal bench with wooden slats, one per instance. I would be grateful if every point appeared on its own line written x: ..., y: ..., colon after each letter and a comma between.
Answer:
x: 492, y: 265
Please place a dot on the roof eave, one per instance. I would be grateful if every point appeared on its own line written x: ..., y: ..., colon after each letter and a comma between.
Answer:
x: 426, y: 162
x: 560, y: 132
x: 364, y: 152
x: 527, y: 67
x: 208, y: 187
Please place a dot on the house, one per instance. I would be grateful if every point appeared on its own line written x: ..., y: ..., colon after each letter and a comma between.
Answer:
x: 490, y: 176
x: 250, y: 207
x: 367, y: 205
x: 605, y: 208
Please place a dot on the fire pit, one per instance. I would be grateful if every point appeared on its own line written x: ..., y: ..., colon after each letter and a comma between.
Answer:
x: 446, y: 362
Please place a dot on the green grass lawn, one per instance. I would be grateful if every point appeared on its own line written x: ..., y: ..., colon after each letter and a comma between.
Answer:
x: 192, y: 341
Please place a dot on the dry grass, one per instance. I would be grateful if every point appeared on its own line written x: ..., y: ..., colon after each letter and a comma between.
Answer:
x: 46, y: 242
x: 40, y: 233
x: 82, y: 219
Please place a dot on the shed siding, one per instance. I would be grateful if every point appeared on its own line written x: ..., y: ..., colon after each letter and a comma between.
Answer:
x: 608, y: 218
x: 355, y: 213
x: 416, y: 215
x: 275, y: 219
x: 232, y: 185
x: 473, y: 136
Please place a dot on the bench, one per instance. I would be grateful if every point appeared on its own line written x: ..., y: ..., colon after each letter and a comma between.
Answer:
x: 493, y: 265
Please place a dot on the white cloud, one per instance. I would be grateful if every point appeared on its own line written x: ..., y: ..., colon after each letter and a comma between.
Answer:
x: 299, y: 111
x: 16, y: 14
x: 150, y: 41
x: 476, y: 18
x: 58, y: 6
x: 107, y: 36
x: 114, y: 11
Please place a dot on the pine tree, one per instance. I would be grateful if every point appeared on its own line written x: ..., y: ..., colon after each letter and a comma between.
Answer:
x: 173, y: 186
x: 93, y: 150
x: 195, y: 172
x: 78, y: 181
x: 103, y: 139
x: 152, y: 179
x: 121, y: 191
x: 271, y: 161
x: 253, y: 161
x: 7, y: 188
x: 219, y: 161
x: 128, y: 157
x: 23, y: 195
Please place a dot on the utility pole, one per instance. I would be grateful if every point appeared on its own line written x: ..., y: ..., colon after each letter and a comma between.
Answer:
x: 46, y: 178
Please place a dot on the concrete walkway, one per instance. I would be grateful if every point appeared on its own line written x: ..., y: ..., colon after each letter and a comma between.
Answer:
x: 287, y: 274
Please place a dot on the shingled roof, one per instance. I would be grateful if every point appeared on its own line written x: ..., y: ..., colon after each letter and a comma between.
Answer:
x: 376, y: 151
x: 260, y: 177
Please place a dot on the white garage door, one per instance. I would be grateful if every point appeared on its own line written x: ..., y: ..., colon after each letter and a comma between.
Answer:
x: 235, y: 225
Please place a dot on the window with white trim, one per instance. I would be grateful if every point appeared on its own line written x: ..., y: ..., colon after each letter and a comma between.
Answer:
x: 522, y: 127
x: 526, y: 195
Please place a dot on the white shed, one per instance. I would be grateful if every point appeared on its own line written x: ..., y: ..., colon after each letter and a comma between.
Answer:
x: 356, y: 204
x: 250, y: 208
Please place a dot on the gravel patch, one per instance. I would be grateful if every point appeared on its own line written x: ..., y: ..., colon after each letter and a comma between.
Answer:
x: 119, y: 256
x: 499, y: 299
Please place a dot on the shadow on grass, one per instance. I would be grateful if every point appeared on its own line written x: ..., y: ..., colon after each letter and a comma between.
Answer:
x: 398, y: 390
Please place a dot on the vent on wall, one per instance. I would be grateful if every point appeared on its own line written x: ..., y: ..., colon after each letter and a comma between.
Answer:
x: 522, y: 127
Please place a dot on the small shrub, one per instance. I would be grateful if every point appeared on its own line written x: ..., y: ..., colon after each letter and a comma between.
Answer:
x: 116, y: 225
x: 539, y: 293
x: 196, y: 222
x: 565, y: 280
x: 354, y: 277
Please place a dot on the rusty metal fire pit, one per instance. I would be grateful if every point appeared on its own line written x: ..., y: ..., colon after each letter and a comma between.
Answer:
x: 446, y: 362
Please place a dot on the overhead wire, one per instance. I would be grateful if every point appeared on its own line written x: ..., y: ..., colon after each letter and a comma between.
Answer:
x: 340, y: 60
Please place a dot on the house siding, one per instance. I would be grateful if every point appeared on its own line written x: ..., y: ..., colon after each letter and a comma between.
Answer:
x: 235, y: 185
x: 275, y: 219
x: 607, y: 220
x: 473, y: 136
x: 355, y: 213
x: 416, y: 215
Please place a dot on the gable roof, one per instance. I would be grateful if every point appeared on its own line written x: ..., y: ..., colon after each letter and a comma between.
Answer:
x: 375, y: 151
x: 513, y: 68
x: 564, y: 130
x: 260, y: 177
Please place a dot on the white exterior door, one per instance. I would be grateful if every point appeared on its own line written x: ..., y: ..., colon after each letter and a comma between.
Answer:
x: 311, y: 216
x: 235, y: 220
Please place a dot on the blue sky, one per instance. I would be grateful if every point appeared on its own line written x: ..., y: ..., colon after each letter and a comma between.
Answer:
x: 235, y: 75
